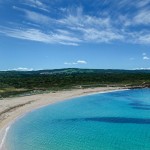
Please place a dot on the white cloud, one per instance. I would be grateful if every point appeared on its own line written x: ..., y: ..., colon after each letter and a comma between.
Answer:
x: 21, y: 69
x: 141, y: 37
x: 143, y: 17
x: 140, y: 18
x: 74, y: 26
x: 84, y: 27
x: 37, y: 4
x: 81, y: 62
x: 35, y: 17
x: 76, y: 63
x: 144, y: 38
x: 69, y: 43
x: 142, y: 3
x: 146, y: 58
x: 27, y: 34
x: 66, y: 63
x: 61, y: 37
x: 100, y: 35
x: 90, y: 28
x: 76, y: 18
x: 37, y: 35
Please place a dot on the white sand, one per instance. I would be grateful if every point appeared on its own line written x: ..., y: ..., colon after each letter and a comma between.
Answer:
x: 11, y: 108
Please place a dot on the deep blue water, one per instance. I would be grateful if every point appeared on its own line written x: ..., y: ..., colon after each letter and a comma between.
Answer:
x: 109, y: 121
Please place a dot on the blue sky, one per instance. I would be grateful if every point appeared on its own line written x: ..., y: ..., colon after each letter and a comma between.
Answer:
x: 48, y: 34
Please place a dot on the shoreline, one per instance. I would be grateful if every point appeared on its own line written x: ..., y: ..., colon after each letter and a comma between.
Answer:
x: 23, y: 105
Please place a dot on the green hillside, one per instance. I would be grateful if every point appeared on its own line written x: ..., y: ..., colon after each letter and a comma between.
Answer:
x: 18, y: 82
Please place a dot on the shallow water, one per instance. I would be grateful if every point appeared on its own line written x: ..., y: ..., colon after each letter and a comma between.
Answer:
x: 109, y: 121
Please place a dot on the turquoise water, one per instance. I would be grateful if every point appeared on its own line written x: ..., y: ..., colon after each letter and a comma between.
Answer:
x: 109, y: 121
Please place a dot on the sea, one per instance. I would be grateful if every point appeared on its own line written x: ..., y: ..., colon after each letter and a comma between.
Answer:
x: 117, y: 120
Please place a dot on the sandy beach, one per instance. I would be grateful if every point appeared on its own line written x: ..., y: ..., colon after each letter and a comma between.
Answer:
x: 12, y: 108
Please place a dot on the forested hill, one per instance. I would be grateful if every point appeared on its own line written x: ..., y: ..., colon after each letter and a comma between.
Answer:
x: 16, y: 82
x: 74, y: 71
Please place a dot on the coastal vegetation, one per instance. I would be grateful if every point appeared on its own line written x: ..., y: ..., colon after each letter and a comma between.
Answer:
x: 33, y: 82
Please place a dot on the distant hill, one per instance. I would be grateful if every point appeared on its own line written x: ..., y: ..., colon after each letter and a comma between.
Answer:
x: 17, y: 82
x: 74, y: 71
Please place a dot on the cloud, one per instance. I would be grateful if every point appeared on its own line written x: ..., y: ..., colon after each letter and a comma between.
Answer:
x: 142, y: 3
x: 143, y: 38
x: 37, y: 35
x: 21, y: 69
x: 81, y: 62
x: 77, y: 18
x: 143, y: 17
x: 80, y: 27
x: 74, y: 24
x: 27, y: 34
x: 105, y: 36
x: 90, y: 28
x: 67, y: 63
x: 35, y: 17
x: 69, y: 43
x: 76, y: 63
x: 146, y: 58
x: 37, y: 4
